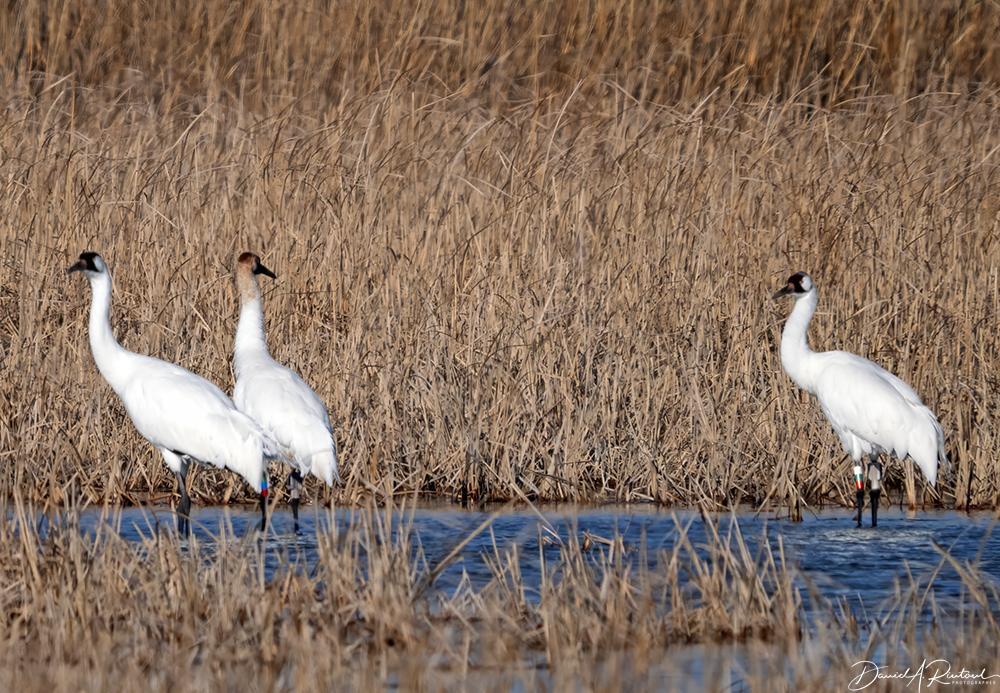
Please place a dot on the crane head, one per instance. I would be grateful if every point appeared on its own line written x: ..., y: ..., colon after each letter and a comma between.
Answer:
x: 798, y: 284
x: 90, y: 263
x: 252, y: 261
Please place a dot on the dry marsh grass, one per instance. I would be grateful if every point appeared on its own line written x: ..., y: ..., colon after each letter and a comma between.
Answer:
x: 93, y: 612
x: 520, y: 254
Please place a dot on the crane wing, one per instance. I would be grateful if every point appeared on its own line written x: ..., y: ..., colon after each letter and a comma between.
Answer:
x: 178, y: 410
x: 859, y: 402
x: 872, y: 409
x: 287, y: 409
x: 846, y: 358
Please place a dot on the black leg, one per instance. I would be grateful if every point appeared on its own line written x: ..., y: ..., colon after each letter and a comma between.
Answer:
x: 874, y: 486
x: 861, y: 502
x: 184, y: 506
x: 295, y: 482
x: 263, y: 505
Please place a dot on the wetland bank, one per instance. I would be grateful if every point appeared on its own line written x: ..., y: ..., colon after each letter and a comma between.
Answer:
x: 525, y: 254
x: 432, y: 598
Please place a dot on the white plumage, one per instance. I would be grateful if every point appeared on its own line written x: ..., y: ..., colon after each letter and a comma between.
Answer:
x: 183, y: 415
x: 871, y: 409
x: 275, y: 396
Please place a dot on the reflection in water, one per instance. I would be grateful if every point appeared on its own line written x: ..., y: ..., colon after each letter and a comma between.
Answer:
x: 841, y: 560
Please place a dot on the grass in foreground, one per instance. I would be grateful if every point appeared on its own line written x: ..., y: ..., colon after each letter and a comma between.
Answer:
x: 96, y: 612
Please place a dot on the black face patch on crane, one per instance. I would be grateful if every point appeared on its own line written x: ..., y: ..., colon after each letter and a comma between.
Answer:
x: 797, y: 282
x: 88, y: 257
x: 86, y: 263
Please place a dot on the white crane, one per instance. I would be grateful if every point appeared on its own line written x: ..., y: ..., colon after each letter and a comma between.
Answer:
x: 183, y: 415
x: 276, y: 397
x: 871, y: 409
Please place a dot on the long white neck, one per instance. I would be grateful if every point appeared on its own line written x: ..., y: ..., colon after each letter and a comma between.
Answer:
x: 111, y: 359
x: 796, y: 356
x: 251, y: 344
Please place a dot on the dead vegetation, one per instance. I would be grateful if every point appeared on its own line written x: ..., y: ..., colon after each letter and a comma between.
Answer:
x: 520, y: 252
x: 95, y: 612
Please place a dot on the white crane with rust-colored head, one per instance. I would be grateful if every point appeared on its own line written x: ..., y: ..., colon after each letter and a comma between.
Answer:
x: 275, y: 396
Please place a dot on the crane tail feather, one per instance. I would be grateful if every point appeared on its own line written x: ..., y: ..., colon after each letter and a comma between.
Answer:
x: 933, y: 463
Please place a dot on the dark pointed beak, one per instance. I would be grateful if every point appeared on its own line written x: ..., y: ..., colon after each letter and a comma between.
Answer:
x: 77, y: 266
x: 783, y: 291
x: 260, y: 269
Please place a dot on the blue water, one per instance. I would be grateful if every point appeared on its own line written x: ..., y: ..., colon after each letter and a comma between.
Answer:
x: 858, y: 566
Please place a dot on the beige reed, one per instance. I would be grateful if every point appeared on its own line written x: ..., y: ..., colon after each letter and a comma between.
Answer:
x: 97, y: 612
x: 521, y: 253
